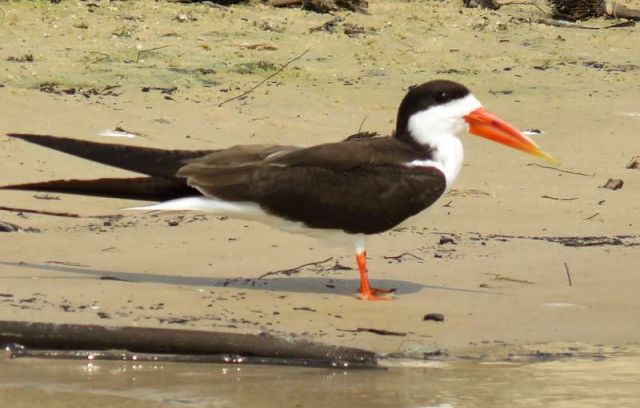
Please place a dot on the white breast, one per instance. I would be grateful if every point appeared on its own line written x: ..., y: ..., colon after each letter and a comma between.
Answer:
x: 439, y: 128
x: 448, y: 157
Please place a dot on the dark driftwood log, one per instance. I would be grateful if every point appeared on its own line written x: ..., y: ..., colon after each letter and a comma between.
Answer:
x: 574, y: 10
x: 616, y: 10
x: 324, y: 6
x: 221, y: 2
x: 484, y: 4
x: 211, y: 346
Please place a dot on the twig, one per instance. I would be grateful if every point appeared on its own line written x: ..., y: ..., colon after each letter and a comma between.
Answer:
x: 149, y: 50
x: 367, y: 117
x: 259, y: 46
x: 305, y: 309
x: 569, y: 241
x: 559, y: 199
x: 45, y: 197
x: 289, y: 272
x: 145, y: 51
x: 591, y: 216
x: 25, y: 210
x: 562, y: 171
x: 381, y: 332
x: 56, y: 214
x: 566, y: 268
x: 567, y: 24
x: 63, y: 263
x: 497, y: 276
x: 104, y: 56
x: 508, y: 279
x: 410, y: 48
x: 399, y: 257
x: 245, y: 93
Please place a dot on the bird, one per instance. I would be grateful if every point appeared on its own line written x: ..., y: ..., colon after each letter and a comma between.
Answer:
x: 352, y: 188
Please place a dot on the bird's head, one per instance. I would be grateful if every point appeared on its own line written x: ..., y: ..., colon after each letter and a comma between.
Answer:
x: 442, y: 109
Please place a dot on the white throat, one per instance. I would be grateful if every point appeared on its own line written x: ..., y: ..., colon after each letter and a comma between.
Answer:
x: 439, y: 127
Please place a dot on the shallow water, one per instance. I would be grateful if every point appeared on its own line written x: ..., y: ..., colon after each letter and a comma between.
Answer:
x: 612, y: 382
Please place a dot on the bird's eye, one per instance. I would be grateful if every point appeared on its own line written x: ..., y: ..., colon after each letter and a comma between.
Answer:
x: 442, y: 96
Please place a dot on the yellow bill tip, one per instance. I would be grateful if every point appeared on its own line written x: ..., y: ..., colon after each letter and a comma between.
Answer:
x: 553, y: 161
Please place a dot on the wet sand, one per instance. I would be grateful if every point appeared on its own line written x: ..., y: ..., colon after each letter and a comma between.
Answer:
x: 501, y: 281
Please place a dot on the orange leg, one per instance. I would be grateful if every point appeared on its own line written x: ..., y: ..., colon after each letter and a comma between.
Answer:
x: 366, y: 291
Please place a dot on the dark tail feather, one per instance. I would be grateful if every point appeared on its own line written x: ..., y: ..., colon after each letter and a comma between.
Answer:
x: 140, y: 188
x: 145, y: 160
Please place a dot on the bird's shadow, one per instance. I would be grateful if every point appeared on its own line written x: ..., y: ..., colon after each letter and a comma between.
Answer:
x: 297, y: 284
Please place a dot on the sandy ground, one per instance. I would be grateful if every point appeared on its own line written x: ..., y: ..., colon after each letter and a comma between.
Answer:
x: 501, y: 283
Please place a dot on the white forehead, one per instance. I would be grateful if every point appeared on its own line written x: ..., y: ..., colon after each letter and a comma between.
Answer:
x: 457, y: 107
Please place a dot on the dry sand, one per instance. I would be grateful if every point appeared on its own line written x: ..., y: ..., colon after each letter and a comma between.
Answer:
x: 499, y: 289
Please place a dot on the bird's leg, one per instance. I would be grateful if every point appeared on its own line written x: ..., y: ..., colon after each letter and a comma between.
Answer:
x: 366, y: 291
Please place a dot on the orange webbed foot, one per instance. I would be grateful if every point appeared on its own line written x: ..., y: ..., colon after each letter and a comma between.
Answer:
x: 366, y: 291
x: 376, y: 294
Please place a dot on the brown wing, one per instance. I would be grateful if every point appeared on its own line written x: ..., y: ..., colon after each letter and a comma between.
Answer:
x: 368, y: 199
x: 227, y: 173
x: 241, y: 155
x: 359, y: 186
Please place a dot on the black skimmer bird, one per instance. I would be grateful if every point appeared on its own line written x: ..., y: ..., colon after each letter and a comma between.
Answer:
x: 352, y: 188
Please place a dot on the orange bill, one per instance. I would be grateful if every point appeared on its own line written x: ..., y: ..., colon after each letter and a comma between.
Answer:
x: 485, y: 124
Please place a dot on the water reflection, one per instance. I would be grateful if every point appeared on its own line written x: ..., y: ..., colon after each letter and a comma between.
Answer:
x: 570, y: 383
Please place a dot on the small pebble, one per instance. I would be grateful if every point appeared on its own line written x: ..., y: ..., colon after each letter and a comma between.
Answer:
x: 436, y: 317
x: 8, y: 227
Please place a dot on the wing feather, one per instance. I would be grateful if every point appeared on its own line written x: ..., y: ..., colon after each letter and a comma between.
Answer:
x: 359, y: 186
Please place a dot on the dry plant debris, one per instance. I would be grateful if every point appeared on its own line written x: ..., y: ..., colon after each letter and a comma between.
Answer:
x: 634, y: 163
x: 613, y: 184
